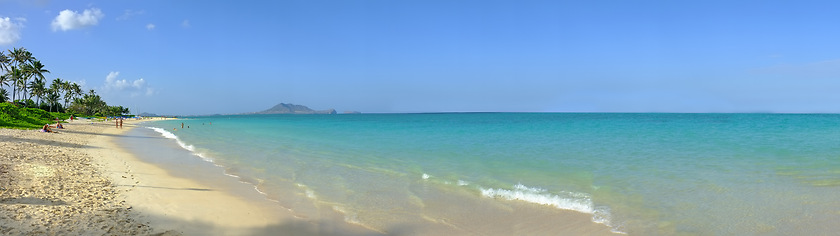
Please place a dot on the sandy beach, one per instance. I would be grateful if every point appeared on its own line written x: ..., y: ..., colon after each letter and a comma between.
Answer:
x: 50, y: 185
x: 78, y: 182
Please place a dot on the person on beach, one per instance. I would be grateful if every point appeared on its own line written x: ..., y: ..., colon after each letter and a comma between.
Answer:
x: 58, y: 125
x: 46, y: 129
x: 121, y: 120
x: 182, y: 125
x: 116, y: 123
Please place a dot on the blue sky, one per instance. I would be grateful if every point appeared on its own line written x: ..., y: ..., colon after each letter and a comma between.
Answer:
x: 206, y: 57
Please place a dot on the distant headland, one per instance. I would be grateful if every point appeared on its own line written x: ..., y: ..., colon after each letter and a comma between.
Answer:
x: 288, y: 108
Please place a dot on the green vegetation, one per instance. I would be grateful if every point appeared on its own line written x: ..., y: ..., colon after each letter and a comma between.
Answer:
x: 24, y: 75
x: 12, y: 116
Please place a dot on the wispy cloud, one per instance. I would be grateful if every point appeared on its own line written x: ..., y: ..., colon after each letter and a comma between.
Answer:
x: 70, y: 20
x: 185, y: 23
x: 150, y: 26
x: 10, y: 30
x: 128, y: 14
x: 132, y: 88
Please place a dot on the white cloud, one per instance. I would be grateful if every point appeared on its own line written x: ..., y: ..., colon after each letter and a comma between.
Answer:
x: 133, y: 88
x: 185, y: 23
x: 150, y: 26
x: 10, y: 30
x: 69, y: 20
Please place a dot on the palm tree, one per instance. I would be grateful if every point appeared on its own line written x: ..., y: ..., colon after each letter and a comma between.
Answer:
x: 58, y: 85
x: 5, y: 63
x: 77, y: 90
x: 52, y: 97
x: 16, y: 76
x: 53, y: 93
x: 68, y: 92
x: 4, y: 80
x: 36, y: 69
x: 21, y: 57
x: 39, y: 88
x: 93, y: 104
x: 3, y: 95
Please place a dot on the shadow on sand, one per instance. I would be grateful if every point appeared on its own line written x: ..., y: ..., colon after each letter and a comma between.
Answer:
x: 294, y: 227
x: 47, y: 142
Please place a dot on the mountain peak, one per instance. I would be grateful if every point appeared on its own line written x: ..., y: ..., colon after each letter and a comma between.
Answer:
x: 288, y: 108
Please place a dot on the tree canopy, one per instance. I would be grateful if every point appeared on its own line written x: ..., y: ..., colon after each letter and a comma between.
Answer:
x: 25, y: 76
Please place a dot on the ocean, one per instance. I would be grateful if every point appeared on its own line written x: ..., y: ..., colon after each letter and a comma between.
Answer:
x: 483, y: 173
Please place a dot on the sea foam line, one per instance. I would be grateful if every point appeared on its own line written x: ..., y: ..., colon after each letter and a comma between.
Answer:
x: 580, y: 202
x: 170, y: 135
x: 191, y: 148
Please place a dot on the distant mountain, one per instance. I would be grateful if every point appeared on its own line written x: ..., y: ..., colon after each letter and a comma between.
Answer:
x: 287, y: 108
x: 148, y: 114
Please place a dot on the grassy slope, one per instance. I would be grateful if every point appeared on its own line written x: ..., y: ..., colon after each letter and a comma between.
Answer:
x: 23, y: 118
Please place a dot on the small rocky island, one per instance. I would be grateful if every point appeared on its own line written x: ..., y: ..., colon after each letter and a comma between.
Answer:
x: 288, y: 108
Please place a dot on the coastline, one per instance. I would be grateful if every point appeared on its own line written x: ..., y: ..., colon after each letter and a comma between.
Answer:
x: 78, y: 181
x: 174, y: 203
x: 434, y: 207
x: 82, y: 181
x: 202, y: 201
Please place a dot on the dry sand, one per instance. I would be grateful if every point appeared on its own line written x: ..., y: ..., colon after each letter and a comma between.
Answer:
x: 78, y: 182
x: 49, y: 186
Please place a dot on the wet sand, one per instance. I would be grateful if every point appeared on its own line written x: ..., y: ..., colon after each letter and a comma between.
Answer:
x: 80, y: 182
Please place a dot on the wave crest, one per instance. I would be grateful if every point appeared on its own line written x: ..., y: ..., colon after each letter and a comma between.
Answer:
x: 170, y: 135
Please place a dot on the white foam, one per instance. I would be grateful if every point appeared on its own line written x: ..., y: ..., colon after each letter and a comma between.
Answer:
x: 308, y: 191
x: 349, y: 217
x: 579, y: 202
x: 310, y: 194
x: 425, y: 176
x: 463, y: 183
x: 191, y: 148
x: 602, y: 215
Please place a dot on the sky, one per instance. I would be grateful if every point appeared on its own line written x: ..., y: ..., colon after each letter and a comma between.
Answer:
x: 220, y: 57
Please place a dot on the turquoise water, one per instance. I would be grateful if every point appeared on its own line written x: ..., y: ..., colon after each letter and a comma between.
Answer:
x: 640, y: 174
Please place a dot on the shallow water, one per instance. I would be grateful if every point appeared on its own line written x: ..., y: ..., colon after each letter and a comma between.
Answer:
x: 641, y: 174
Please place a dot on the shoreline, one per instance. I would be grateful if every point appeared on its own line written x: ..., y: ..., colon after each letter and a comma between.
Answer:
x: 434, y: 210
x: 79, y: 182
x: 176, y: 203
x: 198, y: 201
x: 117, y: 191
